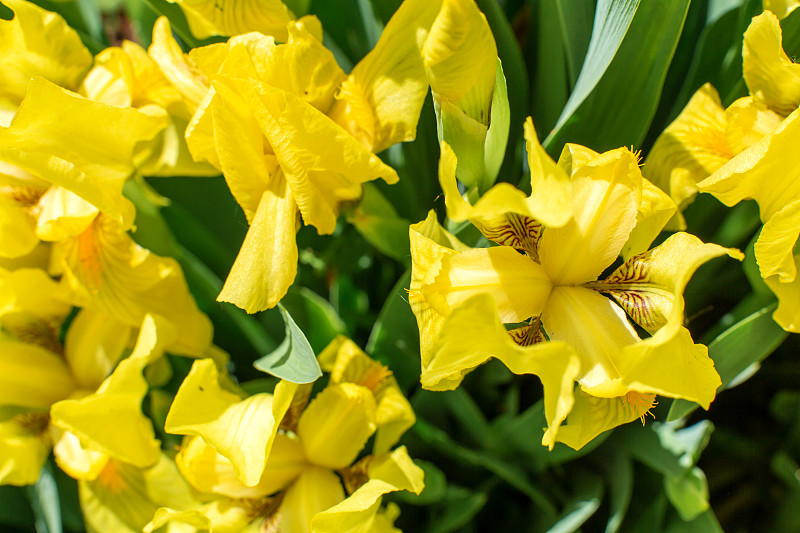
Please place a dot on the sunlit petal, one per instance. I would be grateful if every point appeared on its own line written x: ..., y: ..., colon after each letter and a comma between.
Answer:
x: 316, y: 490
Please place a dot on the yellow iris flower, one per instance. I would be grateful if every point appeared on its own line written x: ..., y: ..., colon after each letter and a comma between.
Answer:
x: 233, y: 17
x: 280, y: 461
x: 766, y: 169
x: 542, y: 281
x: 294, y: 135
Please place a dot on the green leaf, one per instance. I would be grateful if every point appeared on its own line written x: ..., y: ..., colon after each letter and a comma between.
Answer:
x: 176, y: 19
x: 44, y: 499
x: 458, y: 507
x: 612, y: 20
x: 617, y: 108
x: 688, y: 493
x: 550, y: 80
x: 394, y: 339
x: 582, y: 505
x: 704, y: 523
x: 494, y: 147
x: 377, y: 221
x: 15, y: 509
x: 293, y: 359
x: 468, y: 414
x: 575, y: 19
x: 315, y: 315
x: 435, y: 486
x: 746, y: 343
x: 619, y: 473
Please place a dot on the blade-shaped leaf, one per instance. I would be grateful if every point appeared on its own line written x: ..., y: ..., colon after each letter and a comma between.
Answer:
x: 611, y: 22
x: 293, y: 359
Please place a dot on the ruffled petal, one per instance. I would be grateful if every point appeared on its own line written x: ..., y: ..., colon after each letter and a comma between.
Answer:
x: 316, y: 490
x: 243, y: 431
x: 775, y: 245
x: 787, y: 315
x: 208, y: 17
x: 591, y: 416
x: 105, y: 270
x: 748, y: 122
x: 769, y: 73
x: 39, y: 43
x: 473, y: 334
x: 336, y: 424
x: 24, y: 445
x: 112, y: 419
x: 649, y: 284
x: 607, y: 193
x: 380, y: 101
x: 94, y: 344
x: 359, y: 512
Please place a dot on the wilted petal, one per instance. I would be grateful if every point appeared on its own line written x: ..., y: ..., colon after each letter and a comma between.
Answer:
x: 112, y: 418
x: 336, y: 424
x: 358, y: 513
x: 38, y: 43
x: 241, y: 430
x: 607, y: 193
x: 650, y: 284
x: 770, y: 75
x: 323, y: 164
x: 266, y: 264
x: 473, y: 334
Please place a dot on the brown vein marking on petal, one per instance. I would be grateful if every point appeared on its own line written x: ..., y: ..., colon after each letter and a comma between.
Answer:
x: 89, y: 260
x: 34, y: 422
x: 299, y: 401
x: 31, y: 330
x: 356, y: 475
x: 632, y: 289
x: 517, y: 231
x: 530, y: 334
x: 267, y: 508
x: 22, y: 195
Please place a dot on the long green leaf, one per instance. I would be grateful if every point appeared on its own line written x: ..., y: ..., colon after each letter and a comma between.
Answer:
x: 611, y: 22
x: 45, y: 502
x: 621, y: 105
x: 293, y: 359
x: 746, y: 343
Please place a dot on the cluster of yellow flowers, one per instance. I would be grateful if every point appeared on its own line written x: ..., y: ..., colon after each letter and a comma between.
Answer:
x: 87, y: 315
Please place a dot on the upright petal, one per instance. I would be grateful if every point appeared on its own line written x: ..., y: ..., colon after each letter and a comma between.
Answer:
x: 693, y: 146
x: 323, y: 164
x: 234, y: 17
x: 241, y: 430
x: 94, y: 345
x: 776, y: 242
x: 607, y: 193
x: 769, y: 73
x: 38, y: 43
x: 336, y: 424
x: 787, y: 315
x: 111, y: 419
x: 551, y: 200
x: 380, y: 101
x: 359, y: 512
x: 316, y: 490
x: 654, y: 212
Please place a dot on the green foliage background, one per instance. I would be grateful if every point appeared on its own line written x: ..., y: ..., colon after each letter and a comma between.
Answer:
x: 602, y: 73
